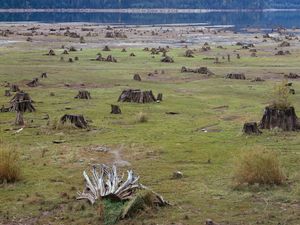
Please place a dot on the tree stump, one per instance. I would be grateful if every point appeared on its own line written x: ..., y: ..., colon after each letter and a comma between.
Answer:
x: 51, y: 52
x: 65, y: 52
x: 21, y: 103
x: 106, y: 49
x: 137, y: 77
x: 251, y: 128
x: 124, y: 50
x: 189, y: 53
x: 33, y: 83
x: 136, y: 96
x: 83, y: 95
x: 167, y: 59
x: 72, y: 49
x: 77, y: 120
x: 285, y: 119
x: 44, y: 75
x: 132, y: 54
x: 7, y: 93
x: 115, y: 109
x: 110, y: 58
x: 238, y: 76
x: 14, y: 88
x: 70, y: 60
x: 159, y: 97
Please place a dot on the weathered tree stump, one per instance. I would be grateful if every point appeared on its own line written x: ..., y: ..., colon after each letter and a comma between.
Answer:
x: 132, y: 54
x: 159, y: 97
x: 167, y: 59
x: 83, y: 94
x: 115, y: 109
x: 285, y: 119
x: 21, y: 103
x: 70, y: 60
x: 44, y: 75
x: 238, y: 76
x: 51, y: 52
x: 7, y: 93
x: 77, y: 120
x: 124, y: 50
x: 76, y: 58
x: 33, y: 83
x: 14, y: 88
x: 136, y: 96
x: 228, y: 58
x: 284, y: 44
x: 65, y: 52
x: 106, y: 49
x: 189, y: 53
x: 72, y: 49
x: 110, y: 59
x: 251, y: 128
x: 137, y: 77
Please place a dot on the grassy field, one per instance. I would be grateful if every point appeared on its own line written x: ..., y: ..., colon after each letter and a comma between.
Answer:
x: 52, y: 173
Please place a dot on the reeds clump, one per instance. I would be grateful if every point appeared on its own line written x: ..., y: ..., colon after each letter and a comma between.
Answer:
x: 281, y: 96
x: 259, y: 166
x: 10, y: 170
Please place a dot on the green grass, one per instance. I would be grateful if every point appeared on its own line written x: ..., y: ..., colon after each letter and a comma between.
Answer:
x: 166, y: 143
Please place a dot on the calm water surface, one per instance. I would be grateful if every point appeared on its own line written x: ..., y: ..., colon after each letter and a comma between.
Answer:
x: 266, y: 20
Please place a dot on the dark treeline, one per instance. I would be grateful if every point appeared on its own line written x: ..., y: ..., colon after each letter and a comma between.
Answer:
x: 184, y: 4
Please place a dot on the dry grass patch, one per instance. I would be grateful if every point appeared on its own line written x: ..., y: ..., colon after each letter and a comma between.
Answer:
x: 259, y: 166
x: 142, y: 117
x: 10, y: 170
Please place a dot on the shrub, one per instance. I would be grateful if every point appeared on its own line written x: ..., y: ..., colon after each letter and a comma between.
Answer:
x: 281, y: 95
x: 142, y: 117
x: 259, y: 166
x: 9, y: 164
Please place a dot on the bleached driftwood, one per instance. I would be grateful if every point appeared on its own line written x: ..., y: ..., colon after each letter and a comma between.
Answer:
x: 105, y: 182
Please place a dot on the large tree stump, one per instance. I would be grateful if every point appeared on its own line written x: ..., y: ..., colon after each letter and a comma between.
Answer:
x: 136, y: 96
x: 167, y: 59
x: 14, y: 88
x: 137, y: 77
x: 77, y: 120
x: 189, y: 53
x: 83, y: 95
x: 115, y: 109
x: 33, y: 83
x: 285, y: 119
x: 251, y: 128
x: 238, y: 76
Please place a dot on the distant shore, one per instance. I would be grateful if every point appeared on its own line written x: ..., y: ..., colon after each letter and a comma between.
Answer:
x: 140, y: 10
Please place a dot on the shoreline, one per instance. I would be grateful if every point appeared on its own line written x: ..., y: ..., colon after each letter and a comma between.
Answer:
x: 137, y: 11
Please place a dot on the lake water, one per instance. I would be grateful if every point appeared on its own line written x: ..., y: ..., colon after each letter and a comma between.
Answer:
x: 265, y: 20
